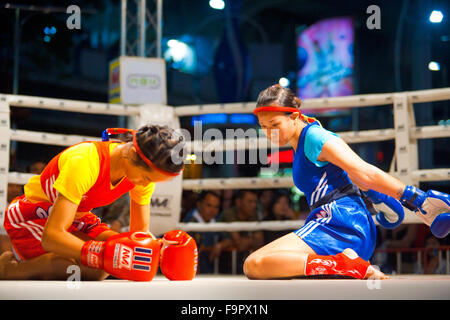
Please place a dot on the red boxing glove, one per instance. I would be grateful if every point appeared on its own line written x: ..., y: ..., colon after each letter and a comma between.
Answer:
x: 179, y: 256
x: 130, y: 255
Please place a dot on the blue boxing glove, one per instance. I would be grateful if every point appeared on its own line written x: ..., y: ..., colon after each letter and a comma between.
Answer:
x: 433, y: 207
x: 390, y: 211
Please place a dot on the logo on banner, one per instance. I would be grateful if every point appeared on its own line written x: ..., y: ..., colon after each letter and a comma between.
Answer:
x: 143, y: 81
x: 161, y: 205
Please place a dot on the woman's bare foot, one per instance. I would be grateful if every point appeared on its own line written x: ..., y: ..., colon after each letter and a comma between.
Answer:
x: 372, y: 272
x: 7, y: 260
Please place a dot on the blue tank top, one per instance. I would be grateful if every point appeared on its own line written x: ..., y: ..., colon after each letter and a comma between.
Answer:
x: 313, y: 180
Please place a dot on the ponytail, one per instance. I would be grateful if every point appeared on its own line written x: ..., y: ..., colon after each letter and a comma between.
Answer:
x: 307, y: 119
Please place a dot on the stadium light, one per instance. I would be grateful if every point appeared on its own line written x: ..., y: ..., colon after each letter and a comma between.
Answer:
x: 178, y: 49
x: 284, y: 82
x: 436, y: 16
x: 434, y: 66
x: 217, y: 4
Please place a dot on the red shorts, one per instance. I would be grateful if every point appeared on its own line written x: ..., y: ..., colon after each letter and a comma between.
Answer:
x: 25, y: 221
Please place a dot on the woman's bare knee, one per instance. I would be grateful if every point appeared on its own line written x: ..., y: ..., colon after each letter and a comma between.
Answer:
x: 89, y: 274
x: 281, y: 258
x: 61, y: 269
x: 275, y: 265
x: 252, y: 267
x: 53, y: 267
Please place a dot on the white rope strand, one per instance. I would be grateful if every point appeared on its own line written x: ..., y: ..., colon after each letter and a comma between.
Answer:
x: 364, y: 100
x: 69, y: 105
x: 427, y: 132
x: 237, y: 183
x: 287, y: 182
x: 49, y: 138
x: 257, y: 183
x: 410, y: 218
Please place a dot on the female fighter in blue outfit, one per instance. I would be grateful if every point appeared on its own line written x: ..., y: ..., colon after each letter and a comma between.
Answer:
x: 339, y: 235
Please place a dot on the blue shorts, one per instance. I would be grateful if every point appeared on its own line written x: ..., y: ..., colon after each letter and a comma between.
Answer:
x: 340, y: 224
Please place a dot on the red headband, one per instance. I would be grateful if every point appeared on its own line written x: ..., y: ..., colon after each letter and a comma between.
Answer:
x: 139, y: 151
x: 275, y: 108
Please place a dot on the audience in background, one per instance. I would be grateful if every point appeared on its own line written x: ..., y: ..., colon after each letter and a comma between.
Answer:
x: 244, y: 209
x: 188, y: 202
x: 14, y: 190
x: 264, y: 200
x: 36, y: 167
x: 117, y: 214
x: 434, y: 264
x: 280, y: 208
x: 227, y: 199
x: 209, y: 244
x: 401, y: 237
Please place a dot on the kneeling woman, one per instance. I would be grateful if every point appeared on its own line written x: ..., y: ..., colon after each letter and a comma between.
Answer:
x: 49, y: 225
x: 339, y: 234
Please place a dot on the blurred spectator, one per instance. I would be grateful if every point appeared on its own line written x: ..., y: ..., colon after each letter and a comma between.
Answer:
x: 227, y: 199
x: 280, y: 208
x: 210, y: 244
x: 36, y: 167
x: 404, y: 236
x: 265, y: 198
x: 434, y: 264
x: 14, y: 190
x: 380, y: 258
x: 188, y: 202
x: 244, y: 210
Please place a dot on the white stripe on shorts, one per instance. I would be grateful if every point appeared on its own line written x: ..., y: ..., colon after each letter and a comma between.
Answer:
x: 13, y: 217
x: 310, y: 226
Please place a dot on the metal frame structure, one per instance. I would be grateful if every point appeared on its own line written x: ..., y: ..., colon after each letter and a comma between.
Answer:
x: 137, y: 18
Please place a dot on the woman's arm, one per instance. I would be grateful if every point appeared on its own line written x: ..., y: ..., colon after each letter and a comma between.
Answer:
x: 363, y: 174
x: 55, y: 237
x: 139, y: 216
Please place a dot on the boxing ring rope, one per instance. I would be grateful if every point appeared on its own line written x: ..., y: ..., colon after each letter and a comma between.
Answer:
x: 364, y: 100
x: 405, y: 134
x: 69, y: 105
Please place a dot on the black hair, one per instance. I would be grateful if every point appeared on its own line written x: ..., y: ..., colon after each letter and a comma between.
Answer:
x: 205, y: 193
x: 275, y: 198
x: 162, y: 145
x: 240, y: 194
x: 280, y: 95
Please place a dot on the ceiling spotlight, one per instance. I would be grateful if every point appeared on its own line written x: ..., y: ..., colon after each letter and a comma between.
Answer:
x: 284, y: 82
x: 434, y: 66
x: 436, y: 16
x: 217, y: 4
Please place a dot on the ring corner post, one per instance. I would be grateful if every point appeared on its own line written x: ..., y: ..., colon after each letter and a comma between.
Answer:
x: 5, y: 127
